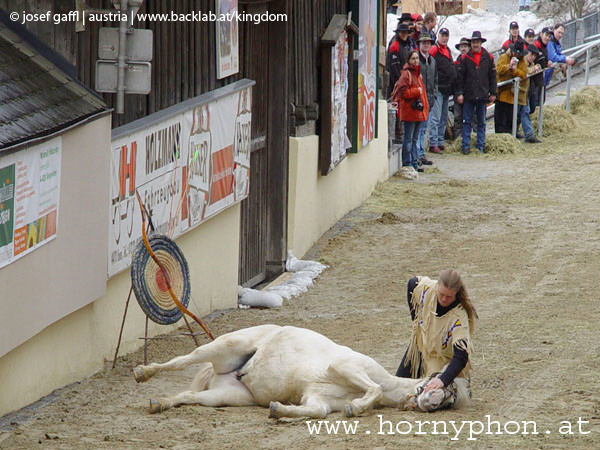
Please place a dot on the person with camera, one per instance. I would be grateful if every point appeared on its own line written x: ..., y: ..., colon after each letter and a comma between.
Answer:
x: 518, y: 61
x: 475, y: 87
x: 413, y: 108
x: 511, y: 64
x: 397, y: 55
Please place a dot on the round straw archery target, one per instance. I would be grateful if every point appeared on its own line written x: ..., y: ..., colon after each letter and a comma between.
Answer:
x: 149, y: 284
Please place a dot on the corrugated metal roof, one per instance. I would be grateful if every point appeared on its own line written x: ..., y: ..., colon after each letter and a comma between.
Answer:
x: 36, y: 97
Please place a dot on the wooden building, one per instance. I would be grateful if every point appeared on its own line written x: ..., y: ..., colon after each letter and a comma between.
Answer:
x: 289, y: 204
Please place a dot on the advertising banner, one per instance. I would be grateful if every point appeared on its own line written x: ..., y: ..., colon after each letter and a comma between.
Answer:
x: 339, y: 97
x: 29, y: 194
x: 228, y: 46
x: 367, y: 71
x: 186, y: 169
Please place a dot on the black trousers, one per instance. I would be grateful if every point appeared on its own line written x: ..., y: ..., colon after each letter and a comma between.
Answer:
x: 503, y: 117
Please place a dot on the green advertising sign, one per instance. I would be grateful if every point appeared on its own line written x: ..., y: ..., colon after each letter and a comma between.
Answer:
x: 7, y: 204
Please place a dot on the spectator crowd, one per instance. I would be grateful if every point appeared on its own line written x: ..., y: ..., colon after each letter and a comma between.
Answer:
x: 424, y: 77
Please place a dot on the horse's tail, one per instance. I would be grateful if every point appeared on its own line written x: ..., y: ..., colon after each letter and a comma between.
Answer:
x: 203, y: 377
x: 463, y: 393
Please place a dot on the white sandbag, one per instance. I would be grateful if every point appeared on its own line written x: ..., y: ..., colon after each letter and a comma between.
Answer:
x: 253, y: 297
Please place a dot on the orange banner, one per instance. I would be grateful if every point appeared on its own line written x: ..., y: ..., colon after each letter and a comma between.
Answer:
x: 222, y: 175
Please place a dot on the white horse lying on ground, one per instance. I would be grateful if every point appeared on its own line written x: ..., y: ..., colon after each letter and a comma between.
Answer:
x: 297, y: 373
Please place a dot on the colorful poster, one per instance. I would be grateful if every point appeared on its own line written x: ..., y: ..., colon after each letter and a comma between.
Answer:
x: 367, y: 71
x: 339, y: 95
x: 227, y: 39
x: 186, y: 169
x: 29, y: 194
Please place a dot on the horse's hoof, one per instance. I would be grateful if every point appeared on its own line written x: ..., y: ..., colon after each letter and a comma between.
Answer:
x: 155, y: 406
x: 139, y: 375
x: 349, y: 410
x: 273, y: 411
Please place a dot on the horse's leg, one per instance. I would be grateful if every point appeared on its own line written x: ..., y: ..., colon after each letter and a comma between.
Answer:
x: 314, y: 407
x: 356, y: 376
x: 226, y: 353
x: 225, y: 390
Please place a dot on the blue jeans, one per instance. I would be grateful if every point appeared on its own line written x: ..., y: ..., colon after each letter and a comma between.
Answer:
x: 525, y: 121
x: 469, y: 108
x: 438, y: 117
x: 421, y: 146
x: 410, y: 141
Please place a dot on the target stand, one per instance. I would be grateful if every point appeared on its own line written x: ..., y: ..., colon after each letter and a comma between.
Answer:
x: 152, y: 289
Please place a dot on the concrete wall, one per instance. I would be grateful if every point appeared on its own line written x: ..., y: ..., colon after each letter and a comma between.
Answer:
x: 77, y: 345
x: 317, y: 202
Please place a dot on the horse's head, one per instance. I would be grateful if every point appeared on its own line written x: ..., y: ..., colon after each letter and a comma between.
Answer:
x: 432, y: 400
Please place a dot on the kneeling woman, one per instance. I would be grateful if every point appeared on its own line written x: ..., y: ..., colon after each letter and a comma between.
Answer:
x: 442, y: 323
x: 413, y: 108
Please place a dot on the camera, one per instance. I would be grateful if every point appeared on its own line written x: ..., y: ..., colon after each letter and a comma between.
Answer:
x: 417, y: 105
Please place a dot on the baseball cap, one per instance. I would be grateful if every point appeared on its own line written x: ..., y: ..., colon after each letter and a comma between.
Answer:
x: 529, y: 32
x: 513, y: 25
x: 548, y: 30
x: 444, y: 31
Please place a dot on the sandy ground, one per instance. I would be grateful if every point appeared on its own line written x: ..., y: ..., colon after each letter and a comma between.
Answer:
x: 524, y: 230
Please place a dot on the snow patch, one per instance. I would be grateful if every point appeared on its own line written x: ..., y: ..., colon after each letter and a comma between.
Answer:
x: 493, y: 27
x: 302, y: 274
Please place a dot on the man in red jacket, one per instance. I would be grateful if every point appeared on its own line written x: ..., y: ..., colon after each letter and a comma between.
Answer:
x: 513, y: 37
x: 475, y: 87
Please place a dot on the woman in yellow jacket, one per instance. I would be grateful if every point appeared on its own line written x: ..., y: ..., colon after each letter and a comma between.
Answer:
x: 517, y: 61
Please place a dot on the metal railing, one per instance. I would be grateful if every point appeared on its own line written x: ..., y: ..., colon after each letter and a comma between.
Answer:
x: 578, y: 30
x: 577, y: 52
x: 516, y: 82
x: 574, y: 52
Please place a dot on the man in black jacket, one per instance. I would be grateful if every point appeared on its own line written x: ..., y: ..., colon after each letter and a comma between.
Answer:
x: 397, y: 55
x: 475, y: 87
x: 537, y: 81
x: 446, y: 73
x: 430, y: 79
x: 542, y: 44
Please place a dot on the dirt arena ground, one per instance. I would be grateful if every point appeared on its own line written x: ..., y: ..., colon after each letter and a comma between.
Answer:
x: 524, y: 230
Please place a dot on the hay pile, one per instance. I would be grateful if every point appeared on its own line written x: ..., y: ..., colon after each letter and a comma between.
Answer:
x: 388, y: 218
x: 494, y: 143
x: 585, y: 101
x: 556, y: 121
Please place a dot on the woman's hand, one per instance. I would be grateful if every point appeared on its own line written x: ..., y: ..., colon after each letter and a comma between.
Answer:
x: 434, y: 384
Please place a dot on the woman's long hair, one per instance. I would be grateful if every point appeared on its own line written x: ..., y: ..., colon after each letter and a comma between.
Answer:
x: 451, y: 279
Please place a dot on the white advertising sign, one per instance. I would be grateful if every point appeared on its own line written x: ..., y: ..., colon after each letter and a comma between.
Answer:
x: 186, y: 169
x: 29, y: 194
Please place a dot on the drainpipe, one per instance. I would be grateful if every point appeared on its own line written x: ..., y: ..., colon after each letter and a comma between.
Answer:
x: 121, y: 62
